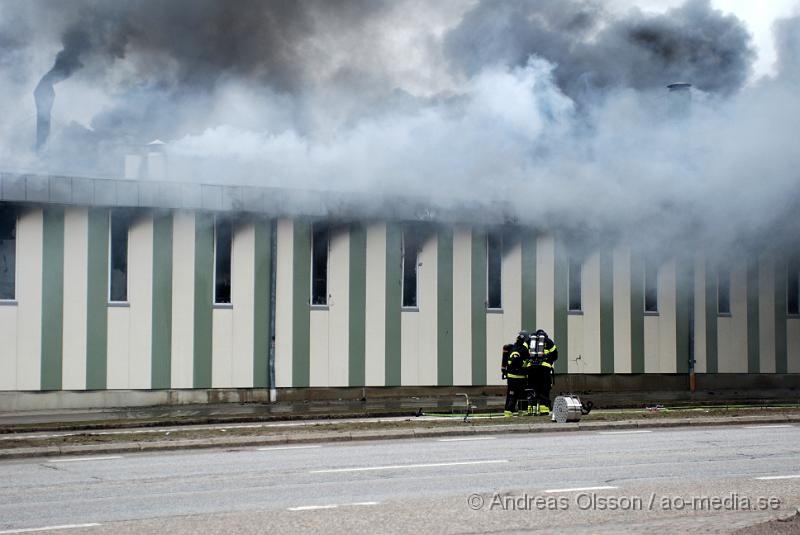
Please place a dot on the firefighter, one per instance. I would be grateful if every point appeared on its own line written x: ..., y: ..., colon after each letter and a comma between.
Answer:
x: 516, y: 380
x: 543, y: 354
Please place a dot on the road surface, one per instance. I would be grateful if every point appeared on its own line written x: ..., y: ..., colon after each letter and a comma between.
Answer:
x: 702, y: 479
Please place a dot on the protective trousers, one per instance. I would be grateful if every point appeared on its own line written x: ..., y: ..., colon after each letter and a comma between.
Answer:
x: 540, y: 382
x: 515, y: 392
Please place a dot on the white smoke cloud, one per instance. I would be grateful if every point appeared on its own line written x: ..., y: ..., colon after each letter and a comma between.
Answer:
x: 376, y: 107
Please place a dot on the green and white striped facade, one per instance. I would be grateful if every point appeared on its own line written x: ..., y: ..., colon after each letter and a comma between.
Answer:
x: 60, y: 333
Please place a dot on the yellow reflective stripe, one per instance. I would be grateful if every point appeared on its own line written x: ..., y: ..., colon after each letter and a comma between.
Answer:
x: 515, y: 376
x: 547, y: 364
x: 546, y: 351
x: 514, y: 353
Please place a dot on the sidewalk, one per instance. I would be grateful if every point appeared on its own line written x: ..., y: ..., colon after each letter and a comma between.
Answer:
x: 303, y: 432
x: 167, y: 415
x: 75, y: 419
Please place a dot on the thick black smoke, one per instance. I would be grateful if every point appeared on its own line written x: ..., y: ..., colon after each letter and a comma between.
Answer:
x: 593, y: 51
x: 183, y: 49
x: 76, y: 42
x: 178, y: 53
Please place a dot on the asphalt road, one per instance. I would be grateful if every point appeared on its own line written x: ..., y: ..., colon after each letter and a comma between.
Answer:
x: 698, y: 479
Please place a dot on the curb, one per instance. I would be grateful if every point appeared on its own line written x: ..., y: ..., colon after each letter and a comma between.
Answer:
x: 384, y: 434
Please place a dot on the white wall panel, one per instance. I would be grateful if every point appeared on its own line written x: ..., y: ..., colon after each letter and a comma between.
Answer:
x: 667, y: 318
x: 182, y: 364
x: 284, y: 303
x: 319, y: 347
x: 732, y: 331
x: 118, y: 347
x: 338, y: 308
x: 8, y: 343
x: 545, y: 283
x: 140, y: 296
x: 576, y: 359
x: 30, y: 229
x: 428, y: 316
x: 243, y: 291
x: 221, y: 347
x: 76, y: 262
x: 409, y: 347
x: 590, y: 301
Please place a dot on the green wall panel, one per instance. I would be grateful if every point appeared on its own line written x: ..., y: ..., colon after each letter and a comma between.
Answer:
x: 606, y: 312
x: 301, y: 305
x: 161, y: 354
x: 262, y: 337
x: 444, y: 307
x: 203, y: 298
x: 637, y: 313
x: 52, y: 298
x: 478, y: 301
x: 358, y: 305
x: 753, y: 343
x: 529, y: 281
x: 560, y: 292
x: 781, y: 362
x: 711, y: 319
x: 97, y: 301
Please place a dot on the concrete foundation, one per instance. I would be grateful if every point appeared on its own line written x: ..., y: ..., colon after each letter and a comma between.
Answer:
x: 615, y: 389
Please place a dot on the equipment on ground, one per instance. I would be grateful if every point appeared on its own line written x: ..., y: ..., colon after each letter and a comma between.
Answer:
x: 570, y: 409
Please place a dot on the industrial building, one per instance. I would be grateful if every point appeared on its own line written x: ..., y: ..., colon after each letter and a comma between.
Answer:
x: 117, y: 291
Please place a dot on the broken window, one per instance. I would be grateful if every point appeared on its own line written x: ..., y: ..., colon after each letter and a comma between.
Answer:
x: 650, y: 286
x: 723, y: 292
x: 793, y: 287
x: 223, y: 239
x: 494, y: 262
x: 574, y: 276
x: 320, y: 238
x: 8, y: 253
x: 119, y: 225
x: 411, y: 248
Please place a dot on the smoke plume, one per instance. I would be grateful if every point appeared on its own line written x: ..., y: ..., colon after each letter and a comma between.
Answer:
x: 556, y: 107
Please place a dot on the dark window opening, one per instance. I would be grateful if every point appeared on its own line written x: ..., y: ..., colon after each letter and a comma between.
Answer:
x: 223, y: 239
x: 120, y: 224
x: 793, y: 287
x: 319, y: 264
x: 650, y: 286
x: 411, y: 248
x: 574, y: 276
x: 494, y: 263
x: 723, y: 292
x: 8, y: 253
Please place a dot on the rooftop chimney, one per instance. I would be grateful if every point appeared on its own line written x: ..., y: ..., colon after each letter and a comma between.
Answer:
x: 147, y: 162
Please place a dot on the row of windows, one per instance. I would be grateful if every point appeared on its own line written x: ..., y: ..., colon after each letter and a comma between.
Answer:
x: 119, y: 228
x: 120, y: 222
x: 723, y: 288
x: 574, y: 286
x: 411, y: 244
